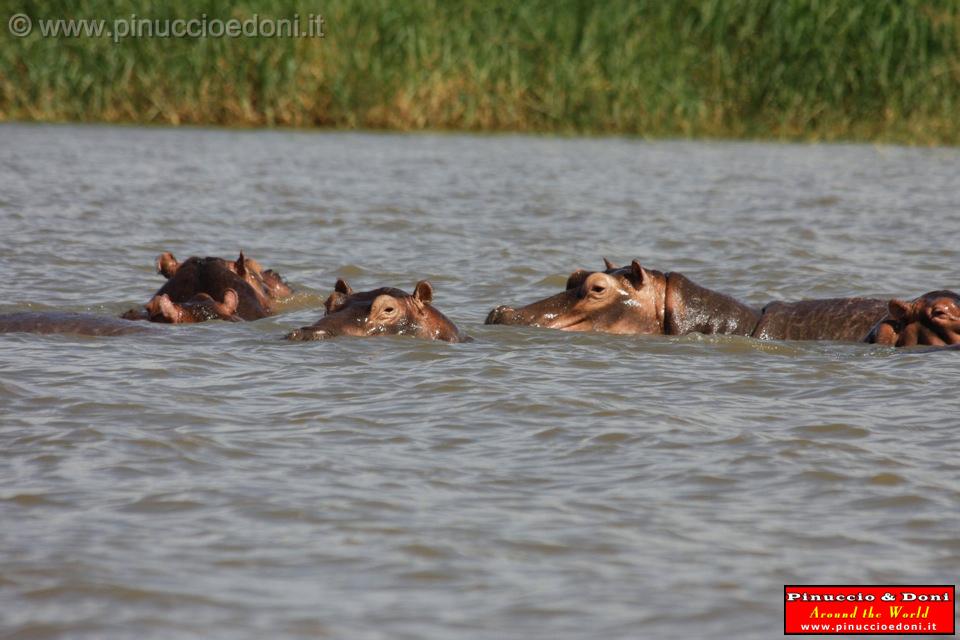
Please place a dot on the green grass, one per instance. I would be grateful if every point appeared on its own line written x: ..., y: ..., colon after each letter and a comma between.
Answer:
x: 885, y: 70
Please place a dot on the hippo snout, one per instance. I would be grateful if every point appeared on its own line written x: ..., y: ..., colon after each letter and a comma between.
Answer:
x: 501, y: 315
x: 307, y: 333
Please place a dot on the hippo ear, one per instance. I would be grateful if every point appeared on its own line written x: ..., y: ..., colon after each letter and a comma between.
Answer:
x: 168, y: 309
x: 423, y: 291
x: 241, y: 265
x: 230, y: 301
x: 335, y: 302
x: 167, y: 265
x: 609, y: 265
x: 900, y: 310
x: 576, y: 279
x: 640, y: 274
x: 343, y: 287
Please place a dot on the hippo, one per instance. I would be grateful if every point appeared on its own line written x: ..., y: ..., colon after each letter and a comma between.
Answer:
x: 199, y: 308
x: 273, y: 282
x: 846, y: 319
x: 256, y: 290
x: 633, y: 300
x: 931, y: 319
x: 84, y: 324
x: 384, y: 311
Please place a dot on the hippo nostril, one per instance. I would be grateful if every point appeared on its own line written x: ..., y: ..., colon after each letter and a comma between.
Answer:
x: 307, y: 333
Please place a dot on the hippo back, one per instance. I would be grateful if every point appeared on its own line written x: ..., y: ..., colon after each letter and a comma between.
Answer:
x: 844, y: 319
x: 83, y: 324
x: 691, y: 308
x: 953, y: 347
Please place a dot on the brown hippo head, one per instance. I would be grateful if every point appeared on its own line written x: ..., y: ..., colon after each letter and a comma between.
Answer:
x: 199, y: 308
x: 213, y: 277
x: 633, y: 300
x: 616, y: 300
x: 268, y: 281
x: 385, y: 311
x: 932, y: 319
x: 255, y: 289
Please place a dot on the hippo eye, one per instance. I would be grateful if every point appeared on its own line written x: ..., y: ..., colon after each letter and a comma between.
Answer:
x: 598, y: 289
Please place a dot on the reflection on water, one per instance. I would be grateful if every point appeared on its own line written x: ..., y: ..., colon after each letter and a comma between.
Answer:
x: 215, y: 481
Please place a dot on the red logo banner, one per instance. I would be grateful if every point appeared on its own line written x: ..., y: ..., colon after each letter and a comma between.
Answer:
x: 875, y: 610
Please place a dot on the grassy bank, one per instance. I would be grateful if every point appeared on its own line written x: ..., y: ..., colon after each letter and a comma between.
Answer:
x: 813, y: 69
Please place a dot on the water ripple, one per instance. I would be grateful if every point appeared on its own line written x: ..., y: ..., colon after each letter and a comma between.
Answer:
x: 528, y: 484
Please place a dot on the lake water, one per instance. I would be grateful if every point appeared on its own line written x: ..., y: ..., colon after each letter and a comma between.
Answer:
x: 215, y: 481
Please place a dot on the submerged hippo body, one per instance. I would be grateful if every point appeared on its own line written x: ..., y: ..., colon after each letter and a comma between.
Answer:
x: 84, y: 324
x: 847, y: 319
x: 633, y: 300
x: 200, y: 288
x: 932, y: 319
x: 385, y: 311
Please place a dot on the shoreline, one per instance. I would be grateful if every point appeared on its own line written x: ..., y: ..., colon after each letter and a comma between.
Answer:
x: 809, y: 140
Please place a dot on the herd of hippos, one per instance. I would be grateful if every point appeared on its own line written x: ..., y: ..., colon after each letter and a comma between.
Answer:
x: 621, y: 300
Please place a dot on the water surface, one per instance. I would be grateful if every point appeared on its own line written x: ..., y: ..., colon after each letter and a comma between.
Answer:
x: 215, y: 481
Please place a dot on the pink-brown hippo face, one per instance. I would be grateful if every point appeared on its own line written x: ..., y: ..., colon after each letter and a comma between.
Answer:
x: 627, y: 300
x: 267, y: 281
x: 199, y: 308
x: 380, y: 312
x: 202, y: 283
x: 932, y: 319
x: 212, y: 277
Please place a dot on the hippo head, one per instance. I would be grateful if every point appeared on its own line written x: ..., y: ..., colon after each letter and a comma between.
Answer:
x: 932, y: 319
x: 266, y: 281
x: 214, y: 276
x: 616, y: 300
x: 199, y: 308
x: 385, y: 311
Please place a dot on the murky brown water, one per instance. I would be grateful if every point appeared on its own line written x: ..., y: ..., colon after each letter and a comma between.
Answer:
x: 214, y: 481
